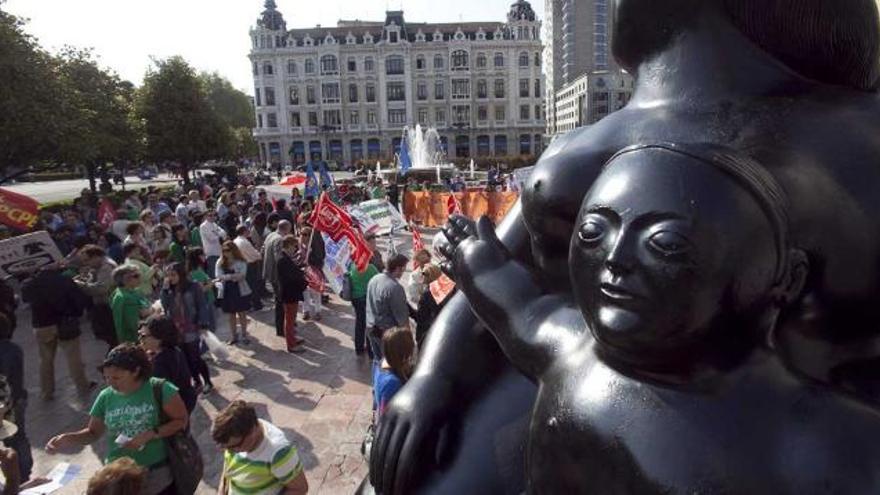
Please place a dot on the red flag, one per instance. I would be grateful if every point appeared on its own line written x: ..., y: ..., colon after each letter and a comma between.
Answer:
x: 361, y: 254
x: 17, y: 210
x: 418, y: 244
x: 453, y: 207
x: 330, y: 218
x: 106, y: 213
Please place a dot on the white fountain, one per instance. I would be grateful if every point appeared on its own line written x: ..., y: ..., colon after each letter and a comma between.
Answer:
x: 425, y: 152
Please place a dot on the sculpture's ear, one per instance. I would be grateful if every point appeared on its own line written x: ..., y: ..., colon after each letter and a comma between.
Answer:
x: 795, y: 278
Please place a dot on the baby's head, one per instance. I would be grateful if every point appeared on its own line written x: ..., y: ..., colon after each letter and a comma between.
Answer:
x: 675, y: 243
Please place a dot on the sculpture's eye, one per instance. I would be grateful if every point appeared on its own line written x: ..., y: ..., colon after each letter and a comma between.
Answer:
x: 668, y: 243
x: 591, y: 232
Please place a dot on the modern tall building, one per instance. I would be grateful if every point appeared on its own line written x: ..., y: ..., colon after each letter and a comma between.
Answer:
x: 578, y: 34
x: 345, y: 93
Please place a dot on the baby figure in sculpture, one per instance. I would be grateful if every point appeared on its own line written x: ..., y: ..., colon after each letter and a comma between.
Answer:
x: 655, y: 374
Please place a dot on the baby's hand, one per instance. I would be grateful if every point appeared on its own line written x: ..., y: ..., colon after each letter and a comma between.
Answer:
x: 456, y: 230
x: 480, y: 253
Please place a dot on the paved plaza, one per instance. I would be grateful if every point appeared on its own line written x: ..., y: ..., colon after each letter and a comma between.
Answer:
x: 320, y: 398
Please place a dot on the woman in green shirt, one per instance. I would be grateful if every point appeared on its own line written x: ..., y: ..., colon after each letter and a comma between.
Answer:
x: 127, y: 303
x: 179, y: 242
x: 359, y: 281
x: 128, y: 412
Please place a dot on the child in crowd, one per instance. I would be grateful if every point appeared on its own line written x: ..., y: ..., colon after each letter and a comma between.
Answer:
x: 395, y: 369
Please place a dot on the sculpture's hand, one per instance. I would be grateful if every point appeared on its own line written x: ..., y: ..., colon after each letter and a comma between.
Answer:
x: 456, y: 230
x: 481, y: 253
x: 405, y: 445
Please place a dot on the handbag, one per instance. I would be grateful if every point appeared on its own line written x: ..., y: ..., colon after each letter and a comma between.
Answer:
x: 345, y: 294
x: 184, y: 456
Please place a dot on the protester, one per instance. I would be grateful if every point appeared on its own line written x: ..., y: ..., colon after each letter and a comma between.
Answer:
x: 96, y: 279
x: 427, y: 308
x: 56, y: 306
x: 126, y: 411
x: 134, y: 256
x: 283, y: 212
x: 195, y: 234
x: 313, y: 243
x: 161, y: 237
x: 386, y: 303
x: 417, y: 285
x: 196, y: 264
x: 376, y: 259
x: 160, y: 338
x: 231, y: 271
x: 136, y: 235
x: 359, y: 281
x: 179, y: 243
x: 258, y: 458
x: 127, y: 304
x: 15, y: 404
x: 114, y: 247
x: 271, y: 253
x: 259, y: 229
x: 121, y: 477
x: 211, y: 236
x: 184, y: 303
x: 254, y: 261
x: 291, y: 285
x: 396, y: 366
x: 182, y: 210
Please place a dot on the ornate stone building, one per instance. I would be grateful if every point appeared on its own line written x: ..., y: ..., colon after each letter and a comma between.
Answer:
x: 345, y: 93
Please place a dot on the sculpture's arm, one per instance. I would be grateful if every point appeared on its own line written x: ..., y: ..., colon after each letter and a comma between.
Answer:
x: 506, y: 297
x: 458, y: 363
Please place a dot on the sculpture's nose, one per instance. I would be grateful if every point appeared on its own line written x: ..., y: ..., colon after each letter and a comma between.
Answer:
x: 620, y: 259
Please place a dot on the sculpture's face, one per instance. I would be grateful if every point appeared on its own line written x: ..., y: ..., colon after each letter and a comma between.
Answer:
x: 664, y: 246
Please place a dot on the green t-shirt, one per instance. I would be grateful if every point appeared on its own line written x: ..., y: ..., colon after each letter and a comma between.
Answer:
x: 195, y: 237
x: 200, y: 277
x: 133, y: 414
x: 360, y: 280
x: 126, y: 305
x: 177, y: 252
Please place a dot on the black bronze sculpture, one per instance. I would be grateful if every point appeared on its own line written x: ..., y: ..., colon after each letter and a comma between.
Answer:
x: 793, y: 89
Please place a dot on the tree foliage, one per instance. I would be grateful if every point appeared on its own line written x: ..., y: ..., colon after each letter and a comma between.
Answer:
x: 233, y: 106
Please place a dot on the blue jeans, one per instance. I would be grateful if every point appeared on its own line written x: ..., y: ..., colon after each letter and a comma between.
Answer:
x: 211, y: 261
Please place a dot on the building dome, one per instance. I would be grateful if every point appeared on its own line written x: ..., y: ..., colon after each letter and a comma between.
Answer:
x: 271, y: 18
x: 521, y: 11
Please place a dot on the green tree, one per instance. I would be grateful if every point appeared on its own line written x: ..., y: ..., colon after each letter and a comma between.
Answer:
x: 30, y: 96
x: 233, y: 106
x: 179, y: 121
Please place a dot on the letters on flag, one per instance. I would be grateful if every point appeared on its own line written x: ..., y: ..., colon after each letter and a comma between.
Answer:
x: 17, y: 210
x: 332, y: 220
x: 417, y: 242
x: 106, y: 213
x: 453, y: 206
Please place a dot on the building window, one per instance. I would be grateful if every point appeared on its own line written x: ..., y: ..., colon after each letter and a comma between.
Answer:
x: 525, y: 144
x: 482, y: 113
x: 291, y: 67
x: 539, y: 144
x: 423, y: 116
x: 461, y: 89
x: 537, y: 112
x: 440, y: 116
x: 394, y: 65
x: 352, y: 93
x: 368, y: 64
x: 499, y: 88
x: 271, y: 120
x: 294, y: 95
x: 332, y: 118
x: 257, y: 95
x: 422, y: 91
x: 256, y: 69
x: 374, y: 148
x: 482, y: 89
x: 537, y: 88
x: 357, y: 149
x: 523, y: 112
x: 420, y: 63
x: 396, y: 91
x: 459, y: 60
x: 371, y: 93
x: 523, y: 59
x: 483, y: 148
x: 371, y: 117
x: 392, y: 36
x: 500, y: 114
x: 396, y: 116
x: 270, y: 97
x: 329, y: 65
x: 481, y: 60
x: 537, y: 59
x: 462, y: 147
x: 259, y: 121
x: 461, y: 114
x: 310, y: 95
x: 313, y: 119
x: 268, y: 70
x: 523, y: 88
x: 335, y: 146
x: 354, y: 118
x: 499, y: 59
x: 298, y: 150
x: 500, y: 145
x: 352, y: 64
x: 439, y: 90
x: 315, y: 150
x: 310, y: 66
x: 330, y: 93
x: 294, y: 119
x: 438, y: 61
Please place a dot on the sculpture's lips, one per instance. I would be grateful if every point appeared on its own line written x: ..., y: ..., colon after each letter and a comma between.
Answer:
x: 617, y: 292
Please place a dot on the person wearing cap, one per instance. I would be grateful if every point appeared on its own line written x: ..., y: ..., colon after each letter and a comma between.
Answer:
x: 127, y: 413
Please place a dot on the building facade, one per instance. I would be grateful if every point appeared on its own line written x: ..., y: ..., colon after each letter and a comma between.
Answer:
x: 578, y: 34
x: 590, y: 98
x: 345, y: 93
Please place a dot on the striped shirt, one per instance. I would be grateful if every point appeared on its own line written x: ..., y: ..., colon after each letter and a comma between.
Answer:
x: 265, y: 470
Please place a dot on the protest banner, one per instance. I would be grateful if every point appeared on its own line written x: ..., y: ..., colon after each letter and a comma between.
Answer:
x: 106, y: 213
x: 377, y: 216
x: 338, y: 256
x: 26, y: 253
x: 441, y: 288
x: 17, y: 210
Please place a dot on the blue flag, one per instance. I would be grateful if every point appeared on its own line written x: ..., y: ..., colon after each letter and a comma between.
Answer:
x: 312, y: 190
x: 405, y: 160
x: 326, y: 180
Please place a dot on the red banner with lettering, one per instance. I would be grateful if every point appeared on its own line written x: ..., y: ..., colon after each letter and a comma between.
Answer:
x: 18, y: 211
x: 106, y: 213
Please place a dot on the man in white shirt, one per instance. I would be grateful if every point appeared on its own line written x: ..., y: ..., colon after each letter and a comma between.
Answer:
x: 212, y: 238
x: 254, y: 261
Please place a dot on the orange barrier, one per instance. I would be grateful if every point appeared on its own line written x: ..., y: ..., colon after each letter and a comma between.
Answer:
x: 430, y: 208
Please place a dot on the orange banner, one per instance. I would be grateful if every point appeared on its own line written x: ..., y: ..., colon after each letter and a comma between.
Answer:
x: 429, y: 209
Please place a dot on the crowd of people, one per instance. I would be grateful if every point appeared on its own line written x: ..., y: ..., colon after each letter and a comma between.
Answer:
x: 151, y: 280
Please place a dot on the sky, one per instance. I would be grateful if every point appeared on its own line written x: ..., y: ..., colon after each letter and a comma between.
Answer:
x: 212, y: 35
